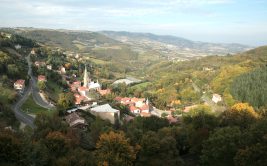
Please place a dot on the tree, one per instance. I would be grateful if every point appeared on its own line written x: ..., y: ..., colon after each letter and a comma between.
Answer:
x: 10, y: 148
x: 240, y: 114
x: 65, y: 100
x: 158, y: 151
x: 41, y: 85
x: 46, y: 123
x: 221, y: 147
x: 254, y: 150
x: 114, y: 149
x: 98, y: 127
x: 201, y: 117
x: 12, y: 70
x: 57, y: 144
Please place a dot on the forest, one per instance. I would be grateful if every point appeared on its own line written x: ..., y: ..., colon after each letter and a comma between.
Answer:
x: 200, y: 138
x: 251, y: 87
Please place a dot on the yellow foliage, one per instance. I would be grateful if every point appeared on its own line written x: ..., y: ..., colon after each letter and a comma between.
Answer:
x: 244, y: 107
x: 175, y: 102
x: 161, y: 90
x: 114, y: 149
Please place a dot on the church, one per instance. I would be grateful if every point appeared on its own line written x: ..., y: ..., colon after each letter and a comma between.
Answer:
x: 88, y: 83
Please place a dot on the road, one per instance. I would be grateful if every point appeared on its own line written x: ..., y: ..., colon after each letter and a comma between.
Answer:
x: 31, y: 89
x: 35, y: 91
x: 21, y: 116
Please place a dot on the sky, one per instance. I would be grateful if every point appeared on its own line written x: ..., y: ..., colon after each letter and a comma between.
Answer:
x: 223, y: 21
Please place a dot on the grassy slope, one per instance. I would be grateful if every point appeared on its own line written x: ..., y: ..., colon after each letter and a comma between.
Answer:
x: 32, y: 108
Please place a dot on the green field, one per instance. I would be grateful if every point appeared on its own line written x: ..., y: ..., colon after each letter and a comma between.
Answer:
x: 32, y: 108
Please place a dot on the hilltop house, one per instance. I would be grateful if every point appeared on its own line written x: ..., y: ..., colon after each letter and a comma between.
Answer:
x: 62, y: 70
x: 216, y: 98
x: 104, y: 92
x: 74, y: 120
x: 78, y: 99
x: 106, y: 112
x: 17, y: 47
x: 41, y: 78
x: 32, y: 52
x: 39, y: 64
x: 19, y: 85
x: 49, y: 67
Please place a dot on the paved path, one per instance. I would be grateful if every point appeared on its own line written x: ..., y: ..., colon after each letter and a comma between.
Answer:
x: 21, y: 116
x: 35, y: 91
x: 31, y: 89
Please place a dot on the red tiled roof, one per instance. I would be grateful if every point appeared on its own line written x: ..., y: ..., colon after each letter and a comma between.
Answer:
x: 133, y: 108
x: 20, y: 82
x: 125, y: 99
x: 128, y: 103
x: 41, y: 78
x: 77, y: 83
x: 172, y: 119
x: 118, y: 98
x: 104, y: 92
x: 144, y: 114
x: 145, y: 107
x: 78, y: 98
x: 82, y: 88
x: 135, y: 99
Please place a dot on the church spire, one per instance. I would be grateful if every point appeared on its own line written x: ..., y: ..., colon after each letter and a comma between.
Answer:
x: 85, y: 77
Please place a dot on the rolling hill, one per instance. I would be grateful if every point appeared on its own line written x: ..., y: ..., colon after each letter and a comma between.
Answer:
x: 172, y: 46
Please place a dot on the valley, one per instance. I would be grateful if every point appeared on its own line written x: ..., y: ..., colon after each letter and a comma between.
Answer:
x: 85, y: 87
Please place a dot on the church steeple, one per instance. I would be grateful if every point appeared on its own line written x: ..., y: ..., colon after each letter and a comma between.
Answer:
x: 85, y: 77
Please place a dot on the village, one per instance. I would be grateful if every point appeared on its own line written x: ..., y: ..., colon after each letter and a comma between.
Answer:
x: 85, y: 93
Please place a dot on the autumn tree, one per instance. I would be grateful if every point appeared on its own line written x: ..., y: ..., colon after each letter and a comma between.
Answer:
x: 65, y: 101
x: 57, y: 144
x: 11, y: 148
x: 114, y: 149
x: 240, y: 114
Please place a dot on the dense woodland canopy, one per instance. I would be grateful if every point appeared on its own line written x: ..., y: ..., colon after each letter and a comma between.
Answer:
x: 252, y: 87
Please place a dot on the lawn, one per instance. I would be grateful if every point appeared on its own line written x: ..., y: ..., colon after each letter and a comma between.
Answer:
x: 32, y: 108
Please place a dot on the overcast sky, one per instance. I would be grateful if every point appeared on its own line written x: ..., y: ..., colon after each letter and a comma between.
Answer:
x: 230, y: 21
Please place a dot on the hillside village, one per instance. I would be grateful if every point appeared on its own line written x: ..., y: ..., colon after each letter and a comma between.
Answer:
x: 65, y: 97
x: 88, y: 93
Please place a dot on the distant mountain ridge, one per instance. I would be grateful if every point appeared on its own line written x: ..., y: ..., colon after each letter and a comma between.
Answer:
x: 172, y: 44
x: 164, y: 46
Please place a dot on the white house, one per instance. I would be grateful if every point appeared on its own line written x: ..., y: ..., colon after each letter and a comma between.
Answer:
x: 17, y: 47
x: 62, y: 70
x: 19, y: 85
x: 94, y: 85
x: 216, y: 98
x: 32, y: 52
x: 49, y: 67
x: 106, y: 112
